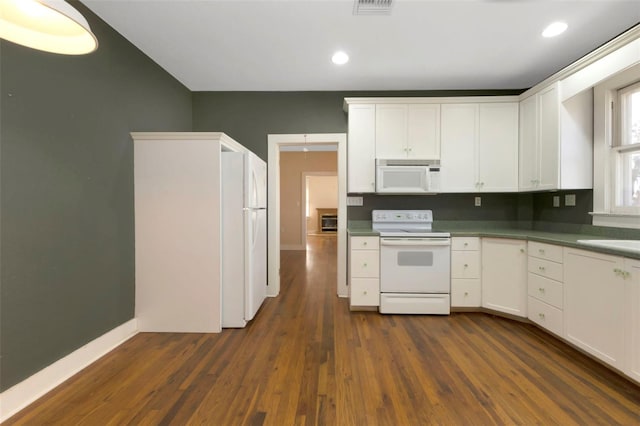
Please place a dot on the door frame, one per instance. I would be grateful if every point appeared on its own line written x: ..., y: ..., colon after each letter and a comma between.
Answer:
x: 274, y: 142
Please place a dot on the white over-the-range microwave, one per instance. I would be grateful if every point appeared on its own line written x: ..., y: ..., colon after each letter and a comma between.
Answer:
x: 407, y: 176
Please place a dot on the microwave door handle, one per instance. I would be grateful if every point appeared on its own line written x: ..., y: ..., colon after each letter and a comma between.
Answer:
x: 398, y: 242
x: 428, y: 180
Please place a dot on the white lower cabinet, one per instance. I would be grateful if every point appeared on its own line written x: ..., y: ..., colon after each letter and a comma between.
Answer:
x: 594, y: 304
x: 364, y: 271
x: 631, y: 274
x: 545, y: 286
x: 466, y: 287
x: 504, y: 275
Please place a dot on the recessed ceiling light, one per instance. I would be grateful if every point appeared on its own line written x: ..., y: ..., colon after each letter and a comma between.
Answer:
x: 554, y: 29
x: 340, y: 58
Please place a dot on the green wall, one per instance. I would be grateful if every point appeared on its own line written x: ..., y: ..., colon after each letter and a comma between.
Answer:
x: 66, y: 193
x: 249, y: 117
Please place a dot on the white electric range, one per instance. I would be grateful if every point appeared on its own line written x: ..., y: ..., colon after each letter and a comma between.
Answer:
x: 415, y: 263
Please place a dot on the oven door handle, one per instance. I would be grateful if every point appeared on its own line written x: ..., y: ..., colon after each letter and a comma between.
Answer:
x: 415, y: 242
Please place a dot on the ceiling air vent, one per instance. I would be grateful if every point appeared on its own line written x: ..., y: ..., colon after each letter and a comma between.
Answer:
x: 372, y: 7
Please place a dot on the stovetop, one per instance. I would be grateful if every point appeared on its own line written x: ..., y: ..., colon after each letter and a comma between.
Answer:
x: 405, y: 223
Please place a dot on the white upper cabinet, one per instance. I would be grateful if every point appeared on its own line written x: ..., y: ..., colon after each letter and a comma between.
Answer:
x: 556, y: 141
x: 498, y: 147
x: 361, y: 149
x: 407, y: 131
x: 423, y: 131
x: 479, y: 145
x: 391, y: 131
x: 459, y: 130
x: 528, y: 163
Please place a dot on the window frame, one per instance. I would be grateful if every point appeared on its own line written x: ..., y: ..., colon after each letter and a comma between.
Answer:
x: 620, y: 147
x: 604, y: 102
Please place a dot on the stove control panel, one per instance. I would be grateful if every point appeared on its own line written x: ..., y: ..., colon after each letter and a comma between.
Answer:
x: 402, y: 216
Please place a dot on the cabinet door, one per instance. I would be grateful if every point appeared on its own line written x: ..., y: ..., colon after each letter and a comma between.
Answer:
x: 504, y: 275
x: 391, y: 131
x: 423, y: 131
x: 528, y: 164
x: 458, y: 131
x: 594, y: 304
x: 548, y: 144
x: 498, y: 147
x: 632, y: 321
x: 361, y: 157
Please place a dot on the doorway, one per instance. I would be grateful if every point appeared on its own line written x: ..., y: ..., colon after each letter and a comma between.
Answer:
x: 320, y: 203
x: 275, y: 143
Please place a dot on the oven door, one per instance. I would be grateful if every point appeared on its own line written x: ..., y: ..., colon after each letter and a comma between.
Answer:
x: 415, y: 265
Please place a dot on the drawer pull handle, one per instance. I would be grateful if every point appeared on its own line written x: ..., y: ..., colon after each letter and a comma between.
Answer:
x: 541, y: 289
x: 364, y: 244
x: 521, y: 250
x: 541, y: 316
x: 364, y: 292
x: 466, y: 266
x: 466, y: 293
x: 541, y: 268
x: 364, y: 264
x: 541, y: 251
x: 466, y: 244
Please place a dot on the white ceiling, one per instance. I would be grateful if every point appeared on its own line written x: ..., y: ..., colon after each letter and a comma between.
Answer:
x: 276, y: 45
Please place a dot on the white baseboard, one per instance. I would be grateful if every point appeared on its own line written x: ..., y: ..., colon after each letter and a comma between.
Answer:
x: 293, y: 247
x: 24, y: 393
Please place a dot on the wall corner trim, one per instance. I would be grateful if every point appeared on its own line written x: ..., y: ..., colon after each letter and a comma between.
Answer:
x: 26, y: 392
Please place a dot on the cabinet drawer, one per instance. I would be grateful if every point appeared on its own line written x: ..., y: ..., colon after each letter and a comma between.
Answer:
x: 546, y: 316
x: 466, y: 293
x: 465, y: 264
x: 546, y: 290
x: 465, y: 243
x: 545, y: 268
x: 365, y: 263
x: 365, y: 292
x: 365, y: 243
x: 545, y: 251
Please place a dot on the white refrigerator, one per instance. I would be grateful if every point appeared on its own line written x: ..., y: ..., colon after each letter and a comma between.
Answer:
x: 244, y: 237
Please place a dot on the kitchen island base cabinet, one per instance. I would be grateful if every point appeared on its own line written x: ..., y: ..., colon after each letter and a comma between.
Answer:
x: 594, y: 304
x: 364, y: 272
x: 504, y: 275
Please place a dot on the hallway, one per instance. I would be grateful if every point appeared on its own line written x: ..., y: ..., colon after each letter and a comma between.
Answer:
x: 306, y: 359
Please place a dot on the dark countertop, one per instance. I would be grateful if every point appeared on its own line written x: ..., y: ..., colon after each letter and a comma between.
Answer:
x: 559, y: 238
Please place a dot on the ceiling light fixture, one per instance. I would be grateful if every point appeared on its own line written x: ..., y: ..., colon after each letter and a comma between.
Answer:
x: 49, y: 25
x: 554, y: 29
x: 340, y: 58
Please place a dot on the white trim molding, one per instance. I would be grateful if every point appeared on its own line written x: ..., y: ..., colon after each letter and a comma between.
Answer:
x: 274, y: 143
x: 26, y: 392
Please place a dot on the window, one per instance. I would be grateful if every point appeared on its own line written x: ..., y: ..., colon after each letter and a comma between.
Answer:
x: 626, y: 152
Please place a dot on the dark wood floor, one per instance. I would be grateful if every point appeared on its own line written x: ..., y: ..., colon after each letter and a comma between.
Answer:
x: 306, y: 359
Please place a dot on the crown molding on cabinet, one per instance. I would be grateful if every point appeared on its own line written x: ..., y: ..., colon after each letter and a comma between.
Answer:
x: 429, y: 100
